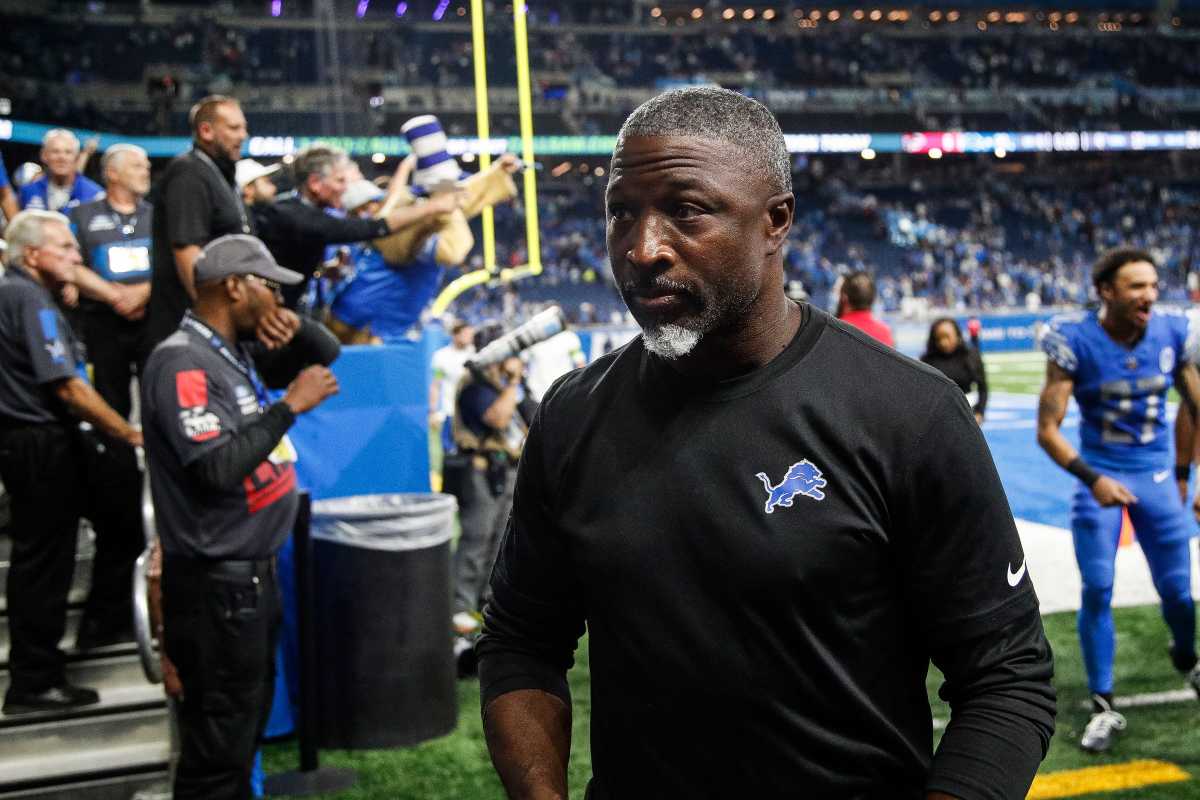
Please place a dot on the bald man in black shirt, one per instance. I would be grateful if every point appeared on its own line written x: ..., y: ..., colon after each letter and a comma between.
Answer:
x: 769, y: 523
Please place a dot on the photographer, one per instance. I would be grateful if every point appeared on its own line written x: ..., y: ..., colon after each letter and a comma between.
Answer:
x: 492, y: 414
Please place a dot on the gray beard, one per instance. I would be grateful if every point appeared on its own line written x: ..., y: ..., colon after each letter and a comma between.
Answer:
x: 670, y: 341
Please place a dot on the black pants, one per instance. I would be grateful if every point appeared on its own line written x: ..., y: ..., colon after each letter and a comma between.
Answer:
x: 117, y: 349
x: 112, y: 501
x: 42, y: 470
x: 220, y: 631
x: 53, y: 476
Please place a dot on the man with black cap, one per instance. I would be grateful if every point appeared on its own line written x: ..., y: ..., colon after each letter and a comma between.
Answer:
x: 224, y: 490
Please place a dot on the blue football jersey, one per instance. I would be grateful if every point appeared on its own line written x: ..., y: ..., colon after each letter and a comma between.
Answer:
x: 1122, y: 391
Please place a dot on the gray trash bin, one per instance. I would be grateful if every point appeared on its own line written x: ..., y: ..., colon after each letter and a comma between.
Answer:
x: 386, y: 674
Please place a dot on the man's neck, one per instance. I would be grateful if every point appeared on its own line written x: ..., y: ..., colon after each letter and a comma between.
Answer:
x: 30, y: 273
x: 1120, y: 331
x: 63, y: 182
x: 761, y: 337
x: 121, y: 199
x: 219, y: 318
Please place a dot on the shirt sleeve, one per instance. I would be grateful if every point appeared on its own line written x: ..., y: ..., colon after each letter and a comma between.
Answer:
x: 308, y: 223
x: 1055, y: 341
x: 535, y: 616
x: 958, y: 541
x: 192, y: 408
x: 189, y: 209
x: 972, y: 598
x: 48, y: 339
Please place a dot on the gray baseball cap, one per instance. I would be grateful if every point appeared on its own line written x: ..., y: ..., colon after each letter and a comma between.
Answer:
x: 239, y: 254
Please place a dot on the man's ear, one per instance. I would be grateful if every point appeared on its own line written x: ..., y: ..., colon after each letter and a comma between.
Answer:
x: 780, y: 210
x: 235, y: 287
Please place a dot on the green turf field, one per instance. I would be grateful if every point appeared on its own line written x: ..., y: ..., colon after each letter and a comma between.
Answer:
x: 456, y: 767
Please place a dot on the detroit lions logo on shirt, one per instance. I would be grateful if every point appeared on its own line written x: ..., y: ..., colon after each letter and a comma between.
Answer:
x: 803, y: 477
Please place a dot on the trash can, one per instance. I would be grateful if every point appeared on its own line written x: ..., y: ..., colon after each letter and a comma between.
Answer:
x: 386, y: 673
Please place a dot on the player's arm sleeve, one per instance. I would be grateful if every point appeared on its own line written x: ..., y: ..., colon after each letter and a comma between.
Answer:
x: 535, y: 617
x: 312, y: 344
x: 226, y: 466
x: 1056, y: 342
x: 189, y: 209
x: 975, y: 605
x: 47, y: 341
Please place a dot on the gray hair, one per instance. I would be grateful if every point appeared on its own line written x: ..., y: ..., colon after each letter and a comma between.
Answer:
x: 28, y: 229
x: 710, y: 112
x: 114, y: 154
x: 57, y: 133
x: 316, y: 159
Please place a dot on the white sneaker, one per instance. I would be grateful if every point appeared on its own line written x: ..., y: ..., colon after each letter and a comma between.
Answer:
x: 1193, y: 679
x: 465, y: 624
x: 1102, y: 729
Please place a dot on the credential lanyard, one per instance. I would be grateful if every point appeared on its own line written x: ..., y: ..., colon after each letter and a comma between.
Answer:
x: 218, y: 344
x: 237, y: 199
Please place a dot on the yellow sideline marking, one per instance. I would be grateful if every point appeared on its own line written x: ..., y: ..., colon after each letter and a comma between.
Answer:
x: 1111, y: 778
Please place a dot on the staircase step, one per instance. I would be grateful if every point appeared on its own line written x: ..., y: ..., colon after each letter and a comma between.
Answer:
x: 68, y: 642
x: 44, y: 756
x: 148, y: 785
x: 119, y: 680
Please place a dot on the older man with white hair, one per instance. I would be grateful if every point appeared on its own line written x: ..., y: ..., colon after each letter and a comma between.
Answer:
x: 114, y: 234
x: 61, y: 185
x: 43, y: 455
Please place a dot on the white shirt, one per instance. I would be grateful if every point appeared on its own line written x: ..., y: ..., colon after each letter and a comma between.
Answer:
x: 449, y: 364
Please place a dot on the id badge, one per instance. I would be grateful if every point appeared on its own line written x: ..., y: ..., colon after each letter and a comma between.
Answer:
x: 284, y: 452
x: 128, y: 260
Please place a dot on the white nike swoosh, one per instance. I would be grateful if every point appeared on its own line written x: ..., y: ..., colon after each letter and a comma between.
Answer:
x: 1159, y: 477
x: 1015, y: 577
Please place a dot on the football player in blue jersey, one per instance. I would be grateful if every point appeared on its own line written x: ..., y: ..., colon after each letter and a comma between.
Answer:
x: 1119, y: 362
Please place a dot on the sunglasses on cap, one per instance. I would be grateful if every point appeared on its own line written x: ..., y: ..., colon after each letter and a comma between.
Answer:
x: 274, y: 286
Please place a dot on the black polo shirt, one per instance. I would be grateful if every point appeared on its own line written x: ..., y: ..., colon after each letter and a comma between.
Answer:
x: 115, y: 246
x: 194, y: 401
x: 195, y: 201
x: 37, y: 349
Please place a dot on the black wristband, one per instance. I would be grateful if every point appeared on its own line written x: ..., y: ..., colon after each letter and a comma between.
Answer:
x: 1183, y: 472
x: 1080, y: 469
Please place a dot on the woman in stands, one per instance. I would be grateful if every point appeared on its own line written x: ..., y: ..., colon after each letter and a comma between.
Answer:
x: 948, y: 352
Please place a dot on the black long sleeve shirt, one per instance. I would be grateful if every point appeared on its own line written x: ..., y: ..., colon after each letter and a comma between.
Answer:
x: 766, y: 567
x: 965, y: 368
x: 296, y: 232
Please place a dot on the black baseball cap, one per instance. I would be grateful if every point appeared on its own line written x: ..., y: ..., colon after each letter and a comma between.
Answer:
x: 240, y: 254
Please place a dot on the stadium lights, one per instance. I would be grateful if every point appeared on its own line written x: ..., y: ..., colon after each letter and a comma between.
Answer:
x: 401, y: 9
x: 1001, y: 152
x: 276, y: 8
x: 868, y: 154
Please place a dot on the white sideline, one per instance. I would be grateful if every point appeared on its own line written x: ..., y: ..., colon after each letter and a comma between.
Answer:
x: 1051, y: 559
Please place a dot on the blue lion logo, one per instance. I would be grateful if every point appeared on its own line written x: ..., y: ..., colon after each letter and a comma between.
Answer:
x: 803, y: 477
